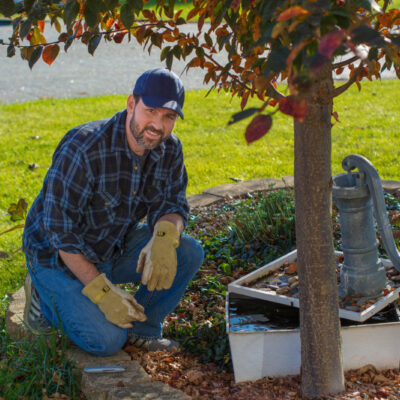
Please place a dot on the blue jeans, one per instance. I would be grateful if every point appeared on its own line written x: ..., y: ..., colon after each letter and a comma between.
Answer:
x: 66, y: 308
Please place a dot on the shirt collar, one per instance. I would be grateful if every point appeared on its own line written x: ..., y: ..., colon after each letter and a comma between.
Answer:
x: 119, y: 141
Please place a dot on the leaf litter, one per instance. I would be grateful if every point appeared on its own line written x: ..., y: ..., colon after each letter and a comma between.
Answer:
x: 207, y: 380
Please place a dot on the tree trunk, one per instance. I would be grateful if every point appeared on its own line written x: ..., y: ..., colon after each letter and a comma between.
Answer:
x: 321, y: 357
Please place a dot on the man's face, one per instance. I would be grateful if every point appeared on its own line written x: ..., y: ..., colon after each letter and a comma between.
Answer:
x: 147, y: 127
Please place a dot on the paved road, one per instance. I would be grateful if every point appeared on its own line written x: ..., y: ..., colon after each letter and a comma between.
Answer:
x: 112, y: 70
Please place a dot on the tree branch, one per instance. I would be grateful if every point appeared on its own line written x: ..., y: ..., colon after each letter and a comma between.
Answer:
x: 345, y: 62
x: 339, y: 90
x: 273, y: 93
x: 102, y: 33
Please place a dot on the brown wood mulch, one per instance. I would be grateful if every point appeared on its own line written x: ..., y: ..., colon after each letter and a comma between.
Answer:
x: 207, y: 382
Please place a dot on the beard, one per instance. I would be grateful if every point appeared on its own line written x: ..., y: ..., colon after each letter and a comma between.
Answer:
x: 139, y: 134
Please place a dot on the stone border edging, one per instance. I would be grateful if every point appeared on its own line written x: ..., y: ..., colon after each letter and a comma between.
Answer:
x: 135, y: 383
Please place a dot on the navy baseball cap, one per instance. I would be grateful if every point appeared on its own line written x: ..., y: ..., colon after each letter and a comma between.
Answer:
x: 160, y: 87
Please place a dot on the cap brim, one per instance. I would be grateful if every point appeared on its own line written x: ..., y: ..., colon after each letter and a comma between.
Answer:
x: 158, y: 102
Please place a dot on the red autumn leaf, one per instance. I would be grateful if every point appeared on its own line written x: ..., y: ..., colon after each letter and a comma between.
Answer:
x: 245, y: 98
x: 331, y: 42
x: 50, y: 53
x: 118, y: 37
x: 336, y: 116
x: 41, y: 25
x: 293, y: 106
x: 257, y: 128
x: 291, y: 13
x: 192, y: 13
x: 109, y: 23
x: 78, y: 28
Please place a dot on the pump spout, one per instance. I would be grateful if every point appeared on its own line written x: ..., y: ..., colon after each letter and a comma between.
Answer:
x: 374, y: 183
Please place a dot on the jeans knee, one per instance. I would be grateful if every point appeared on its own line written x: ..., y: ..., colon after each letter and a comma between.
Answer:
x: 107, y: 342
x: 192, y: 250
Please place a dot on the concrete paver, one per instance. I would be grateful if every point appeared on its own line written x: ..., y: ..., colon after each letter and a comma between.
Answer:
x: 97, y: 386
x: 147, y: 391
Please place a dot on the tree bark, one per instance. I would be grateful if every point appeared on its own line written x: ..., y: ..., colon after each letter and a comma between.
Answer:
x: 321, y: 357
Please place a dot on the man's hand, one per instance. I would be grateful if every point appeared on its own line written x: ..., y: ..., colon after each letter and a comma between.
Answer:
x: 157, y: 260
x: 118, y: 306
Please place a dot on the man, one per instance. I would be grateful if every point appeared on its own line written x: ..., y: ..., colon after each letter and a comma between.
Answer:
x: 84, y: 233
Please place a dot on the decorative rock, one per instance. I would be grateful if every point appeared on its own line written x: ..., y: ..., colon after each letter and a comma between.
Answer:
x: 15, y: 315
x: 98, y: 386
x: 288, y: 181
x: 242, y: 188
x: 147, y: 391
x: 202, y: 200
x: 84, y: 359
x: 390, y: 186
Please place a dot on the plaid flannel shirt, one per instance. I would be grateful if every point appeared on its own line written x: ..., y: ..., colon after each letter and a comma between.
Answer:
x: 96, y: 190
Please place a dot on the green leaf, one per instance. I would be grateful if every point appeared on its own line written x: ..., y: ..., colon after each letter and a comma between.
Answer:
x: 373, y: 53
x: 28, y: 5
x: 18, y: 211
x: 11, y: 50
x: 177, y: 50
x: 68, y: 43
x: 111, y: 4
x: 137, y: 5
x: 35, y: 56
x: 242, y: 115
x: 188, y: 49
x: 93, y: 43
x: 91, y: 12
x: 25, y: 28
x: 169, y: 60
x: 180, y: 21
x: 208, y: 39
x: 7, y: 7
x: 277, y: 59
x: 169, y: 11
x: 222, y: 40
x: 127, y: 16
x: 365, y: 34
x: 71, y: 10
x: 165, y: 52
x: 200, y: 52
x: 156, y: 39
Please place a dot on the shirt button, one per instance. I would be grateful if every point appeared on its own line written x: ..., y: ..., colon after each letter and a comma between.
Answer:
x: 135, y: 167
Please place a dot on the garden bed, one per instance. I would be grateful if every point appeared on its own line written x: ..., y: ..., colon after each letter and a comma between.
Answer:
x: 203, y: 370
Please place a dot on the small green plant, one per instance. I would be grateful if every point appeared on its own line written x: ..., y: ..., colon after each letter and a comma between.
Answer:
x: 37, y: 369
x: 269, y: 220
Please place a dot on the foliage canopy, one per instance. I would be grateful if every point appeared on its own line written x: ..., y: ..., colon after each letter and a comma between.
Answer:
x: 264, y: 41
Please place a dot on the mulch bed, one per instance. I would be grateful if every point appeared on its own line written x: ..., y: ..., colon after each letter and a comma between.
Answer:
x: 207, y: 381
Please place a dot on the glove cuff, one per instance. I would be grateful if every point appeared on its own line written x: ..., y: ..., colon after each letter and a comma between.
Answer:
x: 97, y: 288
x: 169, y: 230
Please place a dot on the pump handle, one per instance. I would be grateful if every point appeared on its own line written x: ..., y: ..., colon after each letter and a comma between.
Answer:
x: 374, y: 183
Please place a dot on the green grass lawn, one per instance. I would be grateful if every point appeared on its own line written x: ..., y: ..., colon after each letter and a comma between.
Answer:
x: 214, y: 152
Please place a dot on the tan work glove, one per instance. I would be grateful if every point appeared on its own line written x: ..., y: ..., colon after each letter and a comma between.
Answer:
x: 119, y: 307
x: 157, y: 260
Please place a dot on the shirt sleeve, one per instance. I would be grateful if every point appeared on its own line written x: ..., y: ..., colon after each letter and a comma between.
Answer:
x: 174, y: 200
x: 66, y: 191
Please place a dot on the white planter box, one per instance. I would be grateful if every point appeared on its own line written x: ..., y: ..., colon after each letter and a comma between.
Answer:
x: 237, y: 287
x: 257, y: 354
